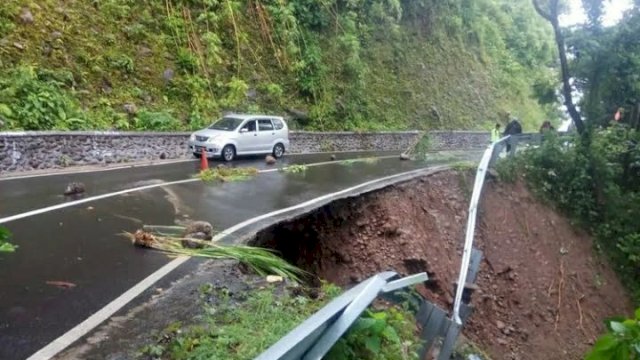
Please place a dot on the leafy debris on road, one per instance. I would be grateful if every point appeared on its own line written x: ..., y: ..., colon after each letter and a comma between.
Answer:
x: 5, y: 246
x: 262, y: 261
x: 227, y: 174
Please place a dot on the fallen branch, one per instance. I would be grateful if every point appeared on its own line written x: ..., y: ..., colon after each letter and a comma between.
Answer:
x: 262, y: 261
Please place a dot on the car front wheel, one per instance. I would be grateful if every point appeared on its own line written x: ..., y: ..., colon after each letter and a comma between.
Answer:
x: 228, y: 153
x: 278, y: 151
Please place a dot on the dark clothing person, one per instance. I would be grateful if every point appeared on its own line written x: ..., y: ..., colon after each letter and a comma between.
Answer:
x: 513, y: 128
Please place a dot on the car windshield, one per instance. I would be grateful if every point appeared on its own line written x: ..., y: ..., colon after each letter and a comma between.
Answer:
x: 226, y: 124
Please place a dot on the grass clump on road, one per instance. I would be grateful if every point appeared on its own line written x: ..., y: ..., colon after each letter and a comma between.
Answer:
x: 295, y: 169
x: 5, y: 245
x: 368, y: 160
x: 227, y: 174
x: 261, y: 261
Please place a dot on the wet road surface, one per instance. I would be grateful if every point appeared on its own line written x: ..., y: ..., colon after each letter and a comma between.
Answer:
x: 82, y: 244
x: 24, y: 194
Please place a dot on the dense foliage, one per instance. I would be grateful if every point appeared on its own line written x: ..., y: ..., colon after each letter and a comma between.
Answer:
x: 607, y: 68
x: 343, y: 64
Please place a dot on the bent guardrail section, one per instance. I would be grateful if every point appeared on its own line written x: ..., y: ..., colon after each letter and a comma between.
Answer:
x: 312, y: 339
x: 490, y: 154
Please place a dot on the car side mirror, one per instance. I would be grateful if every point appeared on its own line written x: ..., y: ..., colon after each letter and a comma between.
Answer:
x: 244, y: 130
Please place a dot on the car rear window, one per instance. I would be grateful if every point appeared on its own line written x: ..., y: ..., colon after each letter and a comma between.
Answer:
x: 278, y: 124
x: 265, y: 125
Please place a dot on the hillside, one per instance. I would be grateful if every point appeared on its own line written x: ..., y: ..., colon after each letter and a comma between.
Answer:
x: 356, y: 64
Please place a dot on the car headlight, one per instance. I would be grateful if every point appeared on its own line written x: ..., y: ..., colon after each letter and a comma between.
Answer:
x: 192, y: 137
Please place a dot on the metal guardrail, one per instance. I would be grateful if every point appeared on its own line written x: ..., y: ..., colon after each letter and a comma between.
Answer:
x: 313, y: 339
x: 489, y: 157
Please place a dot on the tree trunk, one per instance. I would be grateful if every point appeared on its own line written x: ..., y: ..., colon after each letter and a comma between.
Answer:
x: 566, y: 84
x: 552, y: 17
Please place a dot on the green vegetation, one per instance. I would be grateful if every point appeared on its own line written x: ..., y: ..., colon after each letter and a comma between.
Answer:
x: 5, y: 245
x: 238, y: 329
x: 621, y: 342
x: 295, y: 169
x: 267, y: 314
x: 367, y: 160
x: 358, y: 65
x: 464, y: 166
x: 261, y: 261
x: 606, y: 65
x: 227, y: 174
x: 387, y: 334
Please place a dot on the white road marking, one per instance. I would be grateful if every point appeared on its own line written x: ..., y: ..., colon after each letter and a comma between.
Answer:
x: 89, y: 199
x: 139, y: 188
x: 89, y: 169
x: 71, y: 336
x: 61, y: 343
x: 254, y: 220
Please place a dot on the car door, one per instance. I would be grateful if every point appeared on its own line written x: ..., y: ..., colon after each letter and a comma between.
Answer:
x: 248, y: 138
x: 266, y: 135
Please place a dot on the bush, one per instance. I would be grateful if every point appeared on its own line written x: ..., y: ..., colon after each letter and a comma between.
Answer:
x: 381, y: 335
x: 30, y: 102
x: 158, y: 121
x: 621, y: 342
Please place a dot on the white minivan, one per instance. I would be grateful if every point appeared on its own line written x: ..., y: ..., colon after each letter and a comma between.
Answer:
x: 241, y: 135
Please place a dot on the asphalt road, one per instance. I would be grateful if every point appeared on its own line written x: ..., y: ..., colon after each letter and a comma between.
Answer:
x: 83, y: 245
x: 24, y: 194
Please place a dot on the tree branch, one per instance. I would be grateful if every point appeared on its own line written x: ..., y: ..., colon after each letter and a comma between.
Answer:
x: 541, y: 12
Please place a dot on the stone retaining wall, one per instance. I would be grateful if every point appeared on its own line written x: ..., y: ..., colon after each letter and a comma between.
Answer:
x: 25, y: 151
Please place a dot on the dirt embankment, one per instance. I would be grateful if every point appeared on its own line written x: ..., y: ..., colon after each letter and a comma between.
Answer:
x: 543, y: 291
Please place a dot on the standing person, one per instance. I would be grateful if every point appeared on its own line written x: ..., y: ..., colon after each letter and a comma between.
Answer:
x: 513, y: 128
x: 546, y: 127
x: 495, y: 133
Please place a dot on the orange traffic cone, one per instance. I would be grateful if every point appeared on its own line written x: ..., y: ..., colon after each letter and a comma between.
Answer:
x: 204, y: 163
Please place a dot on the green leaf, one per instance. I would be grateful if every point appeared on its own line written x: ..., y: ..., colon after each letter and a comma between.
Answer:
x: 378, y: 315
x: 638, y: 314
x: 391, y: 335
x: 617, y: 327
x: 372, y: 343
x: 606, y: 342
x: 5, y: 110
x: 5, y: 234
x: 611, y: 320
x: 363, y: 324
x: 378, y: 326
x: 6, y: 247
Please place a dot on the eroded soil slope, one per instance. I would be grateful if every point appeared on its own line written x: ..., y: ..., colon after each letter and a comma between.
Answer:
x: 543, y: 291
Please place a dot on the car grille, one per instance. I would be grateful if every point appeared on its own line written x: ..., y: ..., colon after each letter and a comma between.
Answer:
x: 202, y: 138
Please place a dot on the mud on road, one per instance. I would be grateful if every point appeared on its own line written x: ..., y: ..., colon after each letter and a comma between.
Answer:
x: 543, y: 290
